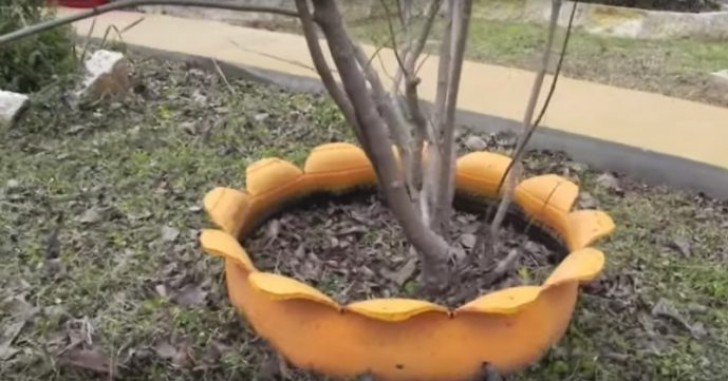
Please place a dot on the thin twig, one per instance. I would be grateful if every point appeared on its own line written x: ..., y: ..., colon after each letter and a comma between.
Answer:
x: 224, y: 78
x: 392, y: 35
x: 559, y: 65
x: 133, y: 24
x: 482, y: 232
x: 418, y: 45
x: 271, y: 56
x: 87, y: 45
x: 50, y: 24
x: 327, y: 78
x: 505, y: 264
x: 528, y: 126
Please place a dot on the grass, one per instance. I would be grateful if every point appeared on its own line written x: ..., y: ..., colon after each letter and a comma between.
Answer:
x: 675, y: 67
x: 109, y: 178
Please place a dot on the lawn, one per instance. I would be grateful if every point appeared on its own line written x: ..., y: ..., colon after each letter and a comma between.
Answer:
x: 676, y: 67
x: 100, y: 269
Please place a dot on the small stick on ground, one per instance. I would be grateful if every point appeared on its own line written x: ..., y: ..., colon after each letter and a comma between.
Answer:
x: 224, y: 78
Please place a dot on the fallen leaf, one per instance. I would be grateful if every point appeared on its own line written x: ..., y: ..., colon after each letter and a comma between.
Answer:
x: 91, y: 216
x: 161, y: 290
x: 7, y: 352
x: 587, y: 201
x: 475, y: 143
x: 273, y: 229
x: 165, y: 350
x: 665, y: 309
x: 190, y: 296
x: 89, y: 359
x: 682, y: 245
x: 608, y: 181
x: 12, y: 184
x: 169, y: 234
x: 405, y: 272
x: 261, y: 117
x: 468, y: 240
x: 188, y: 127
x: 10, y: 332
x: 18, y: 308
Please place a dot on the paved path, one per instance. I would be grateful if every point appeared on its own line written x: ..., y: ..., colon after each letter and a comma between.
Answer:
x: 644, y: 120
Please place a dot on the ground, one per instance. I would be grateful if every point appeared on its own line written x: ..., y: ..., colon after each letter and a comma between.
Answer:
x: 101, y: 269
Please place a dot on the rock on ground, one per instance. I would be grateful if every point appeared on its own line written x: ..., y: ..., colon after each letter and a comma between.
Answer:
x: 720, y: 78
x: 107, y: 75
x: 11, y: 104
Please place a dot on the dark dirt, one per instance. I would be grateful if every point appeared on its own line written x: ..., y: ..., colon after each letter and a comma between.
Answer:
x: 353, y: 248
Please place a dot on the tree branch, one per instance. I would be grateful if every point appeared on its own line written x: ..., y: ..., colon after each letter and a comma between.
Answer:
x: 431, y: 177
x: 323, y: 70
x: 432, y: 248
x: 418, y: 45
x: 528, y: 126
x: 446, y: 175
x: 216, y: 4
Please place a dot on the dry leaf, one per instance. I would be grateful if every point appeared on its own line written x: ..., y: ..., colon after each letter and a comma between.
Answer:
x: 190, y: 295
x: 91, y: 216
x: 88, y: 359
x: 587, y: 201
x: 468, y: 240
x: 475, y: 143
x: 169, y: 234
x: 165, y: 350
x: 682, y: 245
x: 608, y: 181
x: 7, y: 352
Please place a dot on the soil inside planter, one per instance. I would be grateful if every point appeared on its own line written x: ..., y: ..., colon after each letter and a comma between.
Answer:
x: 693, y: 6
x: 352, y: 248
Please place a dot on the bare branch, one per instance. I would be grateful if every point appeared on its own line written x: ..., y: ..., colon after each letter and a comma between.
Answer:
x: 416, y: 47
x: 459, y: 33
x: 395, y: 121
x: 216, y: 4
x: 505, y: 264
x: 528, y: 126
x: 272, y: 56
x: 322, y: 68
x: 392, y: 35
x: 557, y: 72
x: 432, y: 248
x: 223, y: 77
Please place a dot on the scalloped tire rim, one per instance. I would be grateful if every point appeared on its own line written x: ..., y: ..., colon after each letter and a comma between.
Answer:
x: 514, y: 326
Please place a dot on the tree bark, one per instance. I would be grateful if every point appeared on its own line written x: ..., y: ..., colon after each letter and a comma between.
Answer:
x: 446, y: 176
x: 433, y: 250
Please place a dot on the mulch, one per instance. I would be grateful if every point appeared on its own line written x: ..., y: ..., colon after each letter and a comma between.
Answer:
x: 352, y: 248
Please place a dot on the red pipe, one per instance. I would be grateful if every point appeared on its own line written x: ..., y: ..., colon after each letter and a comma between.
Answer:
x: 78, y: 3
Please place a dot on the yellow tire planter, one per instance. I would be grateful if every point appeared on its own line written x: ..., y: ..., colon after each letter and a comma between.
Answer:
x: 401, y: 339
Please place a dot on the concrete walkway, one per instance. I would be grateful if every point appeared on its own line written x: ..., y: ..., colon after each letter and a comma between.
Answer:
x: 642, y: 120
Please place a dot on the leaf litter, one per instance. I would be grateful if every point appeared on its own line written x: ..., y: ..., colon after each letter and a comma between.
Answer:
x: 118, y: 271
x: 353, y: 248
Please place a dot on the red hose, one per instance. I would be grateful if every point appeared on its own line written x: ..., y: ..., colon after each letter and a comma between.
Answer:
x: 78, y: 3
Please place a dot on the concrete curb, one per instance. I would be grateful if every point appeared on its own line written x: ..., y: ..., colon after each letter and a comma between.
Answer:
x: 653, y: 168
x: 617, y: 21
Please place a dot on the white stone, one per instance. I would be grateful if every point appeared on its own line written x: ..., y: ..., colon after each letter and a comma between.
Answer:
x: 11, y: 104
x: 106, y: 74
x: 720, y: 78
